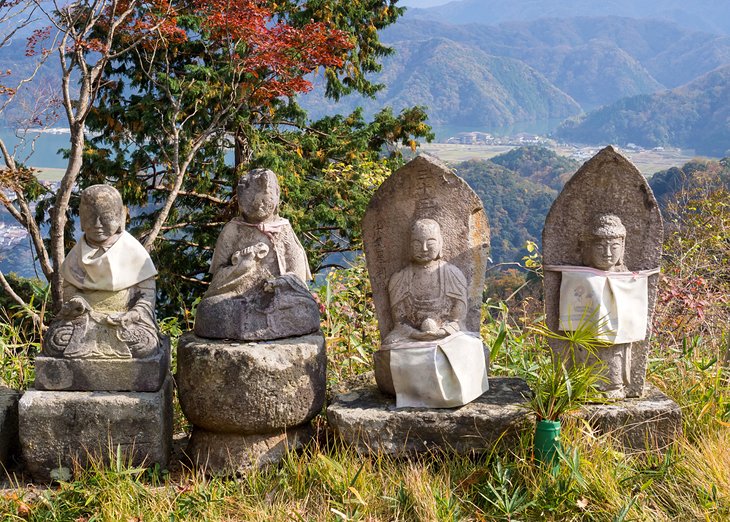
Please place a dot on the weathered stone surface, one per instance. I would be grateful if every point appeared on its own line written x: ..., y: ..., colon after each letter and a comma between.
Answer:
x: 142, y: 375
x: 251, y: 388
x: 608, y: 184
x: 258, y: 290
x: 232, y: 453
x: 109, y: 288
x: 425, y: 188
x: 58, y: 428
x: 369, y: 421
x: 426, y: 240
x: 650, y: 423
x: 8, y: 423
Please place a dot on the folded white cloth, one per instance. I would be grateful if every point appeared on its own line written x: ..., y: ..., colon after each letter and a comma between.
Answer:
x: 122, y: 265
x: 444, y: 373
x: 616, y: 303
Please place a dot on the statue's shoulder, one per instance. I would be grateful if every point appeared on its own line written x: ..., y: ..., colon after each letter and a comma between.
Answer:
x: 454, y: 281
x: 453, y: 272
x: 400, y: 277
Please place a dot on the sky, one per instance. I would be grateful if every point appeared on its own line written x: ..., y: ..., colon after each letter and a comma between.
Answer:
x: 422, y: 3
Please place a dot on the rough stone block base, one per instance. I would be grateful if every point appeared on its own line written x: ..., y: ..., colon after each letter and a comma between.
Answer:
x: 60, y: 428
x: 368, y: 420
x: 144, y: 375
x: 250, y: 388
x: 649, y: 423
x: 8, y: 423
x: 232, y: 453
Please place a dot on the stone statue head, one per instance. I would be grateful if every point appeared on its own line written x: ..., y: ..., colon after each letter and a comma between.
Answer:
x: 102, y: 214
x: 258, y: 195
x: 605, y: 242
x: 426, y: 241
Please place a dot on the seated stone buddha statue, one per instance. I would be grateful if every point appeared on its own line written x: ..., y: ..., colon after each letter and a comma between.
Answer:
x: 109, y: 288
x: 258, y: 290
x: 428, y: 359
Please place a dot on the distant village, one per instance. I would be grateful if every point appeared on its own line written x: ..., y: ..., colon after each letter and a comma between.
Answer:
x: 485, y: 138
x: 524, y: 139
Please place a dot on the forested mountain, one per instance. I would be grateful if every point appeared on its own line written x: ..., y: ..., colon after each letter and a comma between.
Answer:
x: 463, y: 86
x: 695, y: 175
x: 539, y: 165
x: 517, y: 189
x: 657, y: 53
x: 475, y: 76
x: 516, y: 207
x: 693, y: 116
x: 706, y: 15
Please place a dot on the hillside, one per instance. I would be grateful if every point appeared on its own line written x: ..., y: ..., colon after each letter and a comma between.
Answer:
x: 703, y: 175
x: 484, y: 77
x: 517, y: 189
x: 539, y: 165
x: 694, y: 116
x: 516, y: 207
x: 461, y: 86
x: 655, y: 51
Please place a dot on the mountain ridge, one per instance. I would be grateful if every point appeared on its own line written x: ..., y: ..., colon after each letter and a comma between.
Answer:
x: 693, y: 116
x: 706, y: 15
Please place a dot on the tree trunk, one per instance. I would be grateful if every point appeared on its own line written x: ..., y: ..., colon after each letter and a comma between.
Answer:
x: 59, y: 216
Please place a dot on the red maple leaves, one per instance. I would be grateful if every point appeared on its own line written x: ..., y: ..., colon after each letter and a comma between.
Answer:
x: 272, y: 54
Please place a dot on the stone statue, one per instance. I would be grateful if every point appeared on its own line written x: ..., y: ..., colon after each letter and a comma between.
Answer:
x: 433, y: 361
x: 601, y: 252
x: 109, y: 288
x: 426, y: 240
x: 603, y: 249
x: 259, y: 268
x: 428, y: 297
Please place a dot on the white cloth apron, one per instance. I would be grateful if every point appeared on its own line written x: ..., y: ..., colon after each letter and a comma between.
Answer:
x: 122, y: 265
x: 444, y: 373
x: 616, y: 302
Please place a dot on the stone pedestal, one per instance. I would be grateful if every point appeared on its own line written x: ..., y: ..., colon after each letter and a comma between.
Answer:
x: 233, y: 453
x: 368, y: 420
x: 60, y: 428
x: 142, y: 375
x: 8, y: 423
x: 649, y: 423
x: 249, y: 402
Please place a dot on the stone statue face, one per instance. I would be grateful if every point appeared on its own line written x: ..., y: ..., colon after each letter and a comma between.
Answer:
x: 99, y: 224
x: 258, y: 195
x: 259, y: 206
x: 606, y: 252
x: 426, y: 242
x: 101, y: 213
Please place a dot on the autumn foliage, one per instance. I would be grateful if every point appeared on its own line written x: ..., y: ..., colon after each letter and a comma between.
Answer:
x: 261, y: 48
x: 268, y: 57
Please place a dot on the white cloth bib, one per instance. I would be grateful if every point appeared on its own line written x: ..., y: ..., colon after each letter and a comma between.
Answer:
x: 445, y: 373
x: 616, y: 302
x: 122, y: 265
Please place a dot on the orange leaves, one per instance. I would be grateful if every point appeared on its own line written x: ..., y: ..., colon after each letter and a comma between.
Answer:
x: 153, y: 23
x: 273, y: 54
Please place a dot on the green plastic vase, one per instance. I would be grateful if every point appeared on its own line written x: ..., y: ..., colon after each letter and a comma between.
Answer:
x: 547, y: 440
